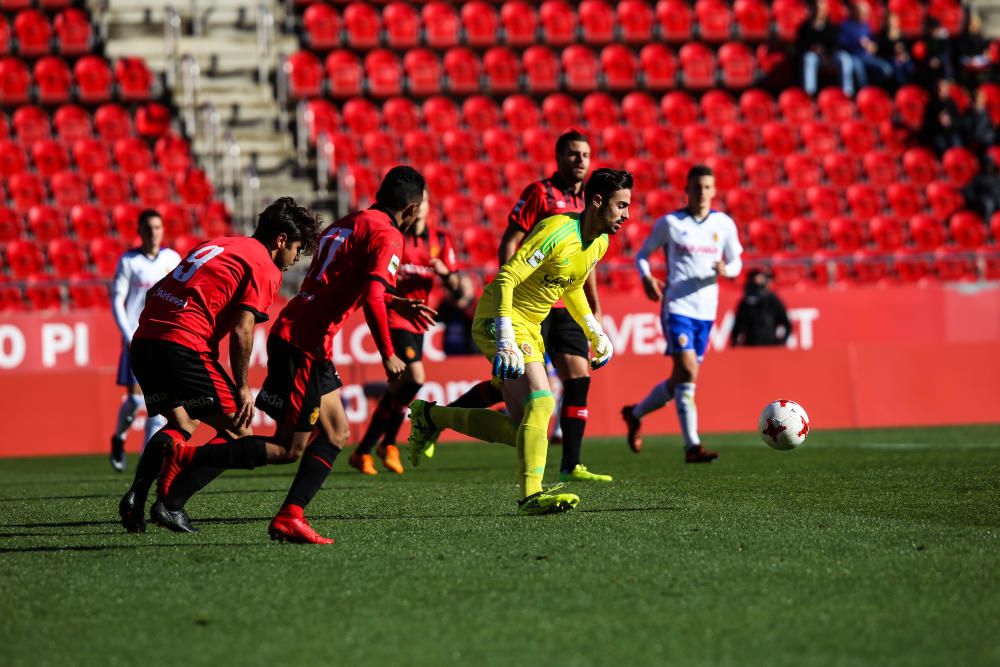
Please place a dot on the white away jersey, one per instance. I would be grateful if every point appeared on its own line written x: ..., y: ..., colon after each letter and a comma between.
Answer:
x: 692, y: 247
x: 135, y: 274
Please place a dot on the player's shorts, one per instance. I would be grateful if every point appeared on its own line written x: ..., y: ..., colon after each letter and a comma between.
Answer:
x: 686, y: 333
x: 172, y: 375
x: 409, y: 346
x: 562, y: 335
x: 125, y: 375
x: 296, y: 383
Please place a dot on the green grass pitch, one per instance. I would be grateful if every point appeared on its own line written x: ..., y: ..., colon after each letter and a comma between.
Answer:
x: 865, y: 547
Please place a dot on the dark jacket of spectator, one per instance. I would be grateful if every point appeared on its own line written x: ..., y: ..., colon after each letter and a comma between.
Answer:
x: 761, y: 318
x: 941, y: 128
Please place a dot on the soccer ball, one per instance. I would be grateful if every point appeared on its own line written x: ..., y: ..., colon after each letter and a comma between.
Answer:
x: 783, y: 425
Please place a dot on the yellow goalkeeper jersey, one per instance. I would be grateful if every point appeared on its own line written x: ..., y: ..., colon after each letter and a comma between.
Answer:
x: 552, y: 263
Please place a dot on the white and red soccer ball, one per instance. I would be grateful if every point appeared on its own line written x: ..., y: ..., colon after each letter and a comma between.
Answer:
x: 783, y: 425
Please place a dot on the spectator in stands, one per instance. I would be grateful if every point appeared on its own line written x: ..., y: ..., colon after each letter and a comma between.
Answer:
x: 456, y: 314
x: 941, y: 128
x: 935, y: 61
x: 816, y: 45
x: 892, y: 48
x: 761, y: 318
x: 982, y: 194
x: 978, y: 132
x: 855, y: 38
x: 973, y: 49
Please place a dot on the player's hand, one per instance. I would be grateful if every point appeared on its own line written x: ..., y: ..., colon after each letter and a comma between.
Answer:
x: 508, y: 363
x: 244, y: 406
x: 394, y: 367
x: 720, y: 268
x: 416, y: 311
x: 653, y: 287
x: 440, y: 267
x: 599, y: 342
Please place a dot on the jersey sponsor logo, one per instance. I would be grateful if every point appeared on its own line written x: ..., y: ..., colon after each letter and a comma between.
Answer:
x: 394, y: 265
x: 267, y: 398
x: 170, y: 298
x: 537, y: 258
x: 557, y: 281
x: 314, y: 417
x: 156, y: 398
x: 700, y: 249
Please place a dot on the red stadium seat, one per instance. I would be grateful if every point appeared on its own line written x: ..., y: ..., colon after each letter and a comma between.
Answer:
x: 66, y: 257
x: 124, y: 219
x: 660, y: 142
x: 739, y: 69
x: 796, y: 106
x: 173, y: 153
x: 920, y: 165
x: 659, y: 202
x: 183, y: 245
x: 714, y: 20
x: 480, y: 113
x: 726, y: 170
x: 761, y: 171
x: 697, y: 66
x: 460, y: 146
x: 968, y: 230
x: 441, y: 114
x: 33, y: 31
x: 72, y: 123
x: 10, y: 227
x: 152, y: 187
x: 561, y: 112
x: 995, y: 226
x: 361, y: 116
x: 764, y: 236
x: 464, y: 71
x: 910, y: 102
x: 700, y: 142
x: 31, y: 124
x: 679, y: 109
x: 194, y: 187
x: 904, y: 200
x: 835, y: 106
x: 132, y: 155
x: 385, y: 73
x: 783, y: 202
x: 646, y: 173
x: 886, y: 232
x: 803, y: 171
x: 824, y: 202
x: 743, y: 204
x: 752, y: 19
x: 864, y: 201
x: 960, y: 166
x: 828, y: 268
x: 597, y: 19
x: 538, y: 144
x: 110, y: 188
x: 134, y: 79
x: 841, y: 169
x: 818, y: 138
x: 757, y: 107
x: 104, y: 253
x: 88, y: 221
x: 24, y: 258
x: 112, y: 122
x: 13, y: 158
x: 640, y: 110
x: 874, y: 104
x: 496, y: 207
x: 363, y: 25
x: 503, y: 68
x: 620, y: 66
x: 619, y: 143
x: 911, y: 16
x: 11, y: 298
x: 857, y: 136
x: 42, y: 292
x: 520, y: 23
x: 520, y: 112
x: 943, y: 199
x: 460, y: 211
x: 176, y: 219
x: 343, y: 71
x: 718, y: 108
x: 880, y: 168
x: 441, y: 24
x: 480, y: 244
x: 953, y: 264
x: 636, y: 20
x: 676, y: 20
x: 305, y: 75
x: 5, y: 36
x: 580, y: 66
x: 216, y: 220
x: 322, y: 26
x: 805, y: 234
x: 779, y: 139
x: 48, y: 156
x: 481, y: 21
x: 46, y: 223
x: 90, y: 156
x: 15, y: 81
x: 558, y: 22
x: 73, y: 32
x: 501, y: 146
x: 847, y: 235
x: 25, y: 190
x: 541, y: 68
x: 481, y: 178
x: 442, y: 180
x: 926, y: 232
x: 423, y: 72
x: 400, y: 113
x: 68, y: 189
x: 87, y: 292
x: 420, y: 147
x: 402, y: 25
x: 659, y: 67
x: 93, y: 79
x: 676, y: 170
x: 518, y: 174
x: 739, y: 139
x: 52, y: 80
x: 601, y: 111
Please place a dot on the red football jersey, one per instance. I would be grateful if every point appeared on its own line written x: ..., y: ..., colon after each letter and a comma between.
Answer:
x: 197, y: 304
x: 416, y: 276
x: 543, y: 199
x: 363, y: 246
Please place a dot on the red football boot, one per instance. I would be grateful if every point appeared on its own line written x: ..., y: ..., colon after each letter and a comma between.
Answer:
x: 175, y: 458
x: 633, y: 424
x: 699, y: 455
x: 291, y: 526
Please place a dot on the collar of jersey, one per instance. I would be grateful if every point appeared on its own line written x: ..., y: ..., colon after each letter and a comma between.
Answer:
x: 579, y: 234
x: 380, y: 209
x: 556, y: 179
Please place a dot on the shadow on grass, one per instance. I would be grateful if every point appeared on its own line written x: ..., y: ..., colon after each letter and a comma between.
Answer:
x: 119, y: 547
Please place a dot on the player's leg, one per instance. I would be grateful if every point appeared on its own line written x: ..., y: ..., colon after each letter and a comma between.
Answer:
x: 412, y: 380
x: 482, y: 395
x: 679, y: 337
x: 685, y: 376
x: 126, y: 411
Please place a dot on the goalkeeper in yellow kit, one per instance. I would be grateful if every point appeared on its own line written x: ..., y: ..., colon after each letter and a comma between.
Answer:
x: 552, y: 263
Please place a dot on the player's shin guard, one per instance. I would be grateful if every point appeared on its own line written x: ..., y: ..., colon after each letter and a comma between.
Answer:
x: 153, y: 424
x: 533, y: 440
x: 152, y: 459
x: 573, y: 419
x: 126, y: 415
x: 314, y: 468
x: 246, y: 453
x: 687, y: 414
x: 658, y: 396
x: 479, y: 423
x: 483, y: 395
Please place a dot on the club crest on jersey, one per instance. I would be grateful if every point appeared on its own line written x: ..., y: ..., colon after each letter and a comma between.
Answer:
x: 715, y: 236
x: 536, y: 259
x: 314, y: 417
x: 527, y: 349
x: 682, y: 340
x: 394, y: 265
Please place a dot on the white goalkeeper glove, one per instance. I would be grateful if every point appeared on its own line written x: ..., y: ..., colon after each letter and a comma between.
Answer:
x: 600, y: 344
x: 508, y: 363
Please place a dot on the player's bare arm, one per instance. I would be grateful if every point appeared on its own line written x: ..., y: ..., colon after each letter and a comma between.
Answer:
x: 240, y: 347
x: 509, y: 243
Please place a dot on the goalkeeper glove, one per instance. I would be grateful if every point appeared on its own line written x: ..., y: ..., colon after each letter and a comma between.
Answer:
x: 508, y: 362
x: 599, y: 343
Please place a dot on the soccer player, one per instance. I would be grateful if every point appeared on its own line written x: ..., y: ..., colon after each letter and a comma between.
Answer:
x: 356, y: 263
x: 554, y: 262
x: 225, y: 286
x: 565, y: 341
x: 427, y: 255
x: 701, y: 245
x: 137, y: 271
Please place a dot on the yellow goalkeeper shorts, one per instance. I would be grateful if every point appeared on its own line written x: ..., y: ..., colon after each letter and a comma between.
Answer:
x: 527, y: 335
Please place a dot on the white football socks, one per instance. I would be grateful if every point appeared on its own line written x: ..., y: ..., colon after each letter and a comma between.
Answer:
x: 126, y: 414
x: 658, y: 397
x: 687, y: 414
x: 153, y: 424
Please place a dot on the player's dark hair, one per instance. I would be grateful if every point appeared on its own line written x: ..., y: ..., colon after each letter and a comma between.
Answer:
x: 566, y: 138
x: 401, y: 187
x: 285, y: 216
x: 697, y: 171
x: 606, y: 182
x: 147, y: 215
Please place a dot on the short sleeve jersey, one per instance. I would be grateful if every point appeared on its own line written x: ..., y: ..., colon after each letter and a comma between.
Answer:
x: 416, y: 275
x: 134, y: 275
x: 551, y: 261
x: 199, y: 302
x: 543, y: 199
x: 363, y: 246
